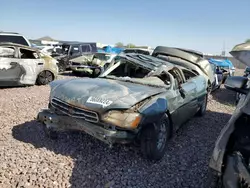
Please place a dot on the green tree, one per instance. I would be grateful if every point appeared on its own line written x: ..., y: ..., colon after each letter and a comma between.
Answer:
x: 130, y: 45
x: 248, y: 40
x: 119, y: 44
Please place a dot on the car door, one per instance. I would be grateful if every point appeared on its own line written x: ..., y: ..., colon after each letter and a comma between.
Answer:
x: 74, y: 51
x: 32, y: 63
x: 10, y: 68
x: 187, y: 101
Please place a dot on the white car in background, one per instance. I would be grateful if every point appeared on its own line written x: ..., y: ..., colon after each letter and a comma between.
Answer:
x: 12, y: 37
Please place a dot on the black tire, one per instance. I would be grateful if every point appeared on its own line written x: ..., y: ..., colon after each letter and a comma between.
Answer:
x: 45, y: 77
x: 203, y: 107
x: 50, y: 132
x: 76, y: 73
x: 213, y: 180
x: 154, y: 139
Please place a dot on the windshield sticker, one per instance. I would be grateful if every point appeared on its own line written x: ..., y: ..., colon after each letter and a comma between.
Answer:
x: 100, y: 101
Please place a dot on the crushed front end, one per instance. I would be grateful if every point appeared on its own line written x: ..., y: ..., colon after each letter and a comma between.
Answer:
x: 64, y: 116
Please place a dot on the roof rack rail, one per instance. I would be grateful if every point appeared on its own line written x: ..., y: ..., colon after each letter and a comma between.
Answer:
x: 9, y: 32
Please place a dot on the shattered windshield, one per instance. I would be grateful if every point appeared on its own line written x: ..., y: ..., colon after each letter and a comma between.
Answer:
x: 131, y: 72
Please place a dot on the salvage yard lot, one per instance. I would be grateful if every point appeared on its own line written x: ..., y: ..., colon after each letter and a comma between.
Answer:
x: 29, y: 159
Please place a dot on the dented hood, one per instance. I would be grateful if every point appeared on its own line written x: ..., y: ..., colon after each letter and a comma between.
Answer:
x: 241, y: 52
x: 101, y: 94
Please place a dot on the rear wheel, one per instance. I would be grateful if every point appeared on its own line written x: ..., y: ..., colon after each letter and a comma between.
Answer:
x: 45, y: 77
x: 154, y: 139
x: 76, y: 73
x: 213, y: 181
x: 203, y: 107
x: 237, y: 98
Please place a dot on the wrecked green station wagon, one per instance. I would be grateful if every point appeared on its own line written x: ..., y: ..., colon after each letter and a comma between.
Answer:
x: 138, y: 99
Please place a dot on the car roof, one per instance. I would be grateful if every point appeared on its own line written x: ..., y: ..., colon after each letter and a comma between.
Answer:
x: 147, y: 60
x: 136, y: 49
x: 77, y: 43
x: 17, y: 45
x: 191, y: 51
x: 9, y: 33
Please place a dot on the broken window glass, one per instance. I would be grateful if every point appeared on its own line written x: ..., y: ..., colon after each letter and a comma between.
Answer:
x: 28, y: 54
x: 188, y: 74
x: 129, y: 71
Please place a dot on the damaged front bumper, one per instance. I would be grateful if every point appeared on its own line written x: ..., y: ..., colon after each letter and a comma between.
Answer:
x: 64, y: 122
x: 236, y: 173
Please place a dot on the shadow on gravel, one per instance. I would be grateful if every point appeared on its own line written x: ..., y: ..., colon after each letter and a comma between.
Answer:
x: 96, y: 165
x: 224, y: 96
x: 69, y: 73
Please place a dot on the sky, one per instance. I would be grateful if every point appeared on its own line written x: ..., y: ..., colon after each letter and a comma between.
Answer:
x: 195, y: 24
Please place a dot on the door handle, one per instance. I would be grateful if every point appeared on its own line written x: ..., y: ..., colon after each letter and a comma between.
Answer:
x: 13, y: 63
x: 40, y: 63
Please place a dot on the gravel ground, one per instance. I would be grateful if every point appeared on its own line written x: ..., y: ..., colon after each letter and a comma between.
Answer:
x: 29, y: 159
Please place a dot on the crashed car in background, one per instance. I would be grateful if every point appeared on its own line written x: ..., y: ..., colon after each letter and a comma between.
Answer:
x: 190, y: 59
x: 137, y: 51
x: 230, y: 161
x: 23, y: 65
x: 71, y: 50
x: 225, y: 66
x: 14, y: 37
x: 94, y: 63
x: 139, y: 99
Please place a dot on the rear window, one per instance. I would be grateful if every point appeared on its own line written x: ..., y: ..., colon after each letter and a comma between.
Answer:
x: 13, y: 39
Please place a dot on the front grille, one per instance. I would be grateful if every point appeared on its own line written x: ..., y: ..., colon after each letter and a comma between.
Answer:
x: 74, y: 111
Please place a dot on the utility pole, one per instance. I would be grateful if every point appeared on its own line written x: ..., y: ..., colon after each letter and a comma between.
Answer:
x: 224, y: 49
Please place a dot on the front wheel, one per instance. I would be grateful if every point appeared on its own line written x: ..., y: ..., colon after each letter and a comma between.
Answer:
x: 50, y: 132
x: 154, y: 139
x: 203, y: 107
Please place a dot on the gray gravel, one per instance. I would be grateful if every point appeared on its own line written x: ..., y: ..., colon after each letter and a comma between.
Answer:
x: 29, y: 159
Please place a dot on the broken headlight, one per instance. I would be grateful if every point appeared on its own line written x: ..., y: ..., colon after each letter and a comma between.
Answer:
x: 122, y: 119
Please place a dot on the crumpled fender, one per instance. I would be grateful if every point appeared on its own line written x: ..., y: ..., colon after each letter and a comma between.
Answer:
x: 154, y: 109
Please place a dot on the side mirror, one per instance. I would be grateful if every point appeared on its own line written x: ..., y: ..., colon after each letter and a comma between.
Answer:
x: 237, y: 83
x: 182, y: 92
